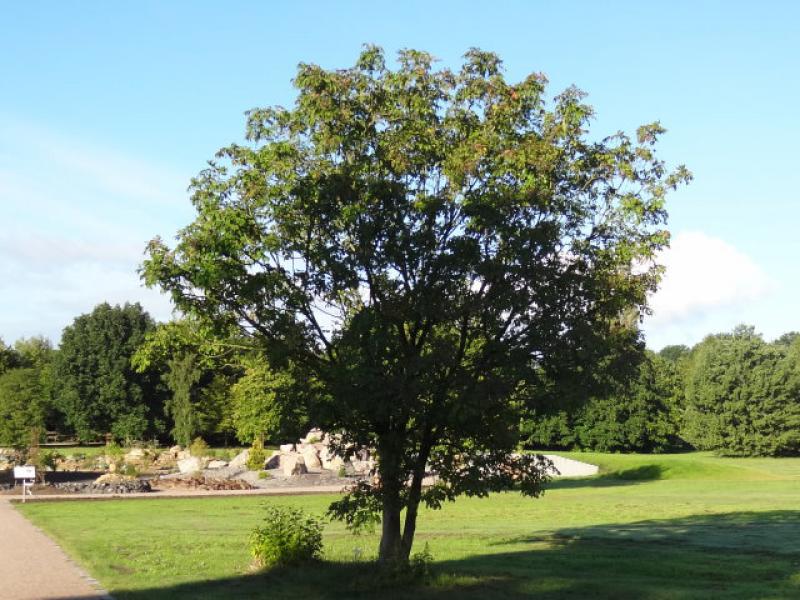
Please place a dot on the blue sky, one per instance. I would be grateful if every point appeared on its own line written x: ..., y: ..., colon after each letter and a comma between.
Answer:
x: 108, y: 109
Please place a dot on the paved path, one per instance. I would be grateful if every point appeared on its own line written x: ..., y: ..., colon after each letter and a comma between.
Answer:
x: 33, y: 567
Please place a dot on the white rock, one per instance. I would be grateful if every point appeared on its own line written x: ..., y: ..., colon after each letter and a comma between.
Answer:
x: 134, y: 454
x: 240, y: 460
x: 183, y: 454
x: 175, y: 450
x: 286, y: 448
x: 193, y: 464
x: 311, y: 458
x: 313, y: 436
x: 331, y: 462
x: 362, y: 467
x: 293, y: 464
x: 217, y: 464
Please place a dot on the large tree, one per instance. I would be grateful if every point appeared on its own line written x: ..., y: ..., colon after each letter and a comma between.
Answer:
x: 743, y: 395
x: 199, y: 371
x: 95, y: 384
x: 433, y: 247
x: 22, y: 408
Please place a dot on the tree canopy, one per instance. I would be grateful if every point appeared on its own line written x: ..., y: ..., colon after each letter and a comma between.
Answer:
x: 434, y: 247
x: 22, y: 407
x: 95, y: 384
x: 742, y: 395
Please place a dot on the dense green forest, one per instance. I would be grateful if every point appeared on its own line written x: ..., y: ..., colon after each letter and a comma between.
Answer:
x: 117, y: 372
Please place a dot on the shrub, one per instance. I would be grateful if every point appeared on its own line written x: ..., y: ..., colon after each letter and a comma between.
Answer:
x: 264, y: 475
x: 289, y: 536
x: 128, y: 470
x: 48, y: 459
x: 342, y: 471
x: 114, y: 450
x: 198, y: 447
x: 257, y: 456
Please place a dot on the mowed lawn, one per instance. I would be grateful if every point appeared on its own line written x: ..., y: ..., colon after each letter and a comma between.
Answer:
x: 672, y: 526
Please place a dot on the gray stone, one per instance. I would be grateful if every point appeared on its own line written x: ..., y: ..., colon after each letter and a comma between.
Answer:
x: 217, y: 464
x: 274, y: 461
x: 293, y: 464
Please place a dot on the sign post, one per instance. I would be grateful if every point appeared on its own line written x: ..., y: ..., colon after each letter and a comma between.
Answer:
x: 27, y: 474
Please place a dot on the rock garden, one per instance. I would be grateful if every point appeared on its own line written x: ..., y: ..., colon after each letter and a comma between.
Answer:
x: 309, y: 462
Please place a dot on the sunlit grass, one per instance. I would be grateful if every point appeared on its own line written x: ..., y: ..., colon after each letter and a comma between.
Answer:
x: 649, y: 526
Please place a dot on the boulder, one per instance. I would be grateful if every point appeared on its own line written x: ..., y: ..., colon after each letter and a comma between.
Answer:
x: 193, y: 464
x: 183, y: 454
x: 314, y: 436
x: 175, y: 450
x: 362, y: 467
x: 311, y: 458
x: 293, y: 464
x: 134, y: 454
x: 217, y: 464
x: 331, y: 461
x: 286, y: 448
x: 240, y: 460
x: 274, y: 461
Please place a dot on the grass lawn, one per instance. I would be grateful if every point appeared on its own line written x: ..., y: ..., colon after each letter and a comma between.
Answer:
x: 673, y: 526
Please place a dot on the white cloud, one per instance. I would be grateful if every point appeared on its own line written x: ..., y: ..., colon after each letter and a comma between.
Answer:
x: 704, y: 273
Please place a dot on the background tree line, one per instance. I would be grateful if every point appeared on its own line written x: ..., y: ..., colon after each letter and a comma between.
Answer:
x: 117, y: 372
x: 733, y: 393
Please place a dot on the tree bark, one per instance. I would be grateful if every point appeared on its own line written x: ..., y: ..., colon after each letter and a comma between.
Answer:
x: 391, y: 548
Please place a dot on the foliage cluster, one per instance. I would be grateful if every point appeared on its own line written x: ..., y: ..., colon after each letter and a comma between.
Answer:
x: 256, y: 456
x: 289, y: 536
x: 733, y: 393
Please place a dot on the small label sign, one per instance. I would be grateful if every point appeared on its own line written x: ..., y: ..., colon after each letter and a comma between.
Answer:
x: 26, y: 472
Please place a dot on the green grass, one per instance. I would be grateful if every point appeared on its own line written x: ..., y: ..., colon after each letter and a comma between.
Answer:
x: 661, y: 527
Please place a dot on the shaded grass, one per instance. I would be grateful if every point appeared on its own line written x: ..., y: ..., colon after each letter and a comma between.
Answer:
x: 672, y: 526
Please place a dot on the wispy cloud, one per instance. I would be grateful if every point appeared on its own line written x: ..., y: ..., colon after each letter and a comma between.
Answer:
x: 76, y: 218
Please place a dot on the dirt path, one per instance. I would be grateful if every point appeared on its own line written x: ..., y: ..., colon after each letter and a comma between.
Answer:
x: 33, y: 567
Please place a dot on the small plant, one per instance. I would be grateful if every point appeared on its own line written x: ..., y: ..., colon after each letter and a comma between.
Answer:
x: 313, y: 439
x: 289, y: 536
x: 198, y: 447
x: 114, y: 450
x: 48, y: 459
x: 128, y: 470
x: 257, y: 456
x: 342, y: 471
x: 264, y: 474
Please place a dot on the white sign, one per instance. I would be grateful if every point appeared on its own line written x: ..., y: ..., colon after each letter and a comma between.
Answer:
x: 26, y: 472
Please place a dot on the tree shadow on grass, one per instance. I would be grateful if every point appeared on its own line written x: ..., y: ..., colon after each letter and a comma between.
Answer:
x: 632, y: 476
x: 727, y: 556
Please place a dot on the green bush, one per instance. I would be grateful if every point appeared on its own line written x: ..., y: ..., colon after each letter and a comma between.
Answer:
x: 198, y: 447
x: 257, y: 456
x: 289, y: 536
x: 264, y: 475
x: 128, y: 470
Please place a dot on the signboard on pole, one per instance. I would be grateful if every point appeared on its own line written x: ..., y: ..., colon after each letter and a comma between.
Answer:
x: 25, y: 472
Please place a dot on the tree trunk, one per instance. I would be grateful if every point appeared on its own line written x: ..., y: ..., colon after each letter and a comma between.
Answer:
x: 391, y: 548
